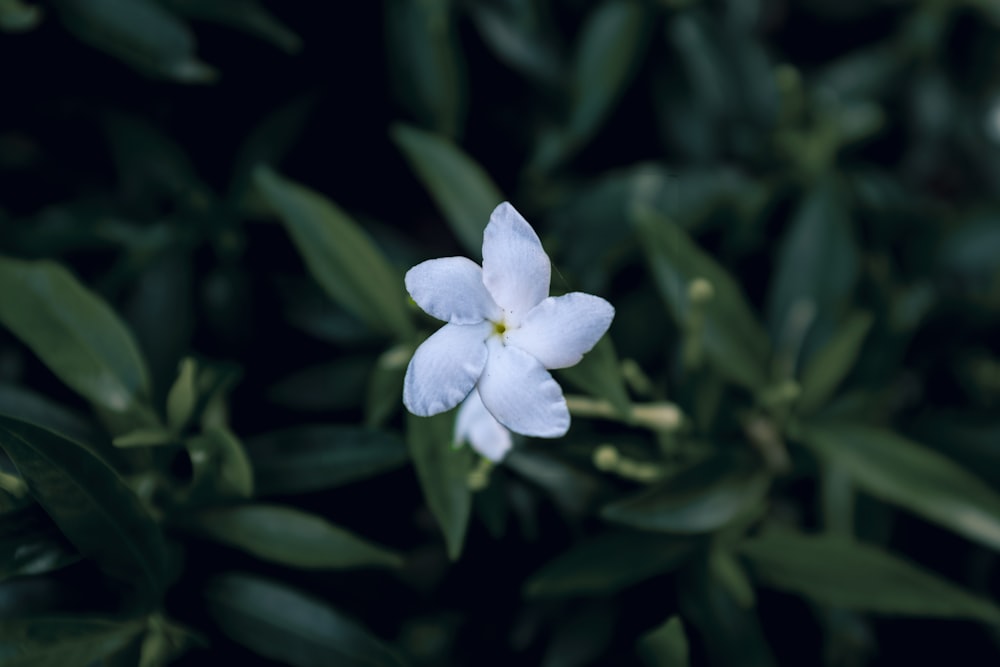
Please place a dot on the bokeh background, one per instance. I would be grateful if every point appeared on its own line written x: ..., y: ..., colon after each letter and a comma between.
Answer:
x: 786, y: 451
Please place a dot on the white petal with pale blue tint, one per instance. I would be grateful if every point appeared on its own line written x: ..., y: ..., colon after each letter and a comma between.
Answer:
x: 445, y: 368
x: 516, y: 270
x: 451, y: 289
x: 561, y: 329
x: 476, y: 426
x: 521, y: 394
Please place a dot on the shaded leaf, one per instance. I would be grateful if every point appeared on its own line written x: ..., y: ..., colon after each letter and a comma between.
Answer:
x: 317, y: 457
x: 246, y: 15
x: 463, y: 191
x: 183, y: 396
x: 443, y: 471
x: 140, y: 32
x: 817, y: 267
x: 339, y: 255
x: 729, y: 633
x: 837, y: 572
x: 731, y: 335
x: 307, y: 633
x: 20, y: 403
x: 904, y: 472
x: 91, y: 505
x: 832, y: 362
x: 600, y: 375
x: 75, y: 333
x: 63, y: 641
x: 385, y: 384
x: 611, y: 44
x: 17, y: 16
x: 515, y: 32
x: 609, y: 563
x: 220, y: 463
x: 291, y: 537
x: 702, y: 498
x: 425, y: 63
x: 665, y: 646
x: 337, y: 385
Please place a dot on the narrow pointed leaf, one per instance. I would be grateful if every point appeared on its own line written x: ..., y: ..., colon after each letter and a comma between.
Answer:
x: 139, y: 32
x: 841, y: 573
x: 733, y: 339
x: 221, y: 463
x: 339, y: 254
x: 443, y: 472
x: 906, y: 473
x: 321, y: 456
x: 832, y: 362
x: 64, y: 641
x: 665, y: 646
x: 426, y: 66
x: 291, y: 537
x: 283, y: 624
x: 596, y: 566
x: 600, y: 375
x: 817, y: 267
x: 74, y: 333
x: 91, y: 505
x: 246, y: 15
x: 699, y: 499
x: 462, y: 189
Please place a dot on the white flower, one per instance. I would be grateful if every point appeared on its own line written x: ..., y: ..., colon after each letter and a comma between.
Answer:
x: 503, y: 331
x: 476, y: 426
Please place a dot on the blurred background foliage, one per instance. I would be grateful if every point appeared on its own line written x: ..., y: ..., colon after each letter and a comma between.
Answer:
x: 786, y: 452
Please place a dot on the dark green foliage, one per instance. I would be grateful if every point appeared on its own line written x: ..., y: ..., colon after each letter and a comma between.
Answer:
x: 786, y: 451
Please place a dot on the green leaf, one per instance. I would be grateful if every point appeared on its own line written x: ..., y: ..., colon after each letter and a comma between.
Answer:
x: 600, y: 375
x: 323, y: 387
x: 317, y: 457
x: 729, y: 633
x: 140, y: 32
x: 832, y: 362
x: 904, y: 472
x: 610, y: 47
x: 145, y: 437
x: 443, y: 472
x: 16, y: 16
x: 20, y: 403
x: 91, y: 505
x: 220, y: 463
x: 699, y: 499
x: 595, y: 566
x: 666, y: 646
x: 63, y: 641
x: 183, y: 396
x: 339, y: 255
x: 817, y: 268
x: 75, y: 333
x: 246, y: 15
x: 291, y: 537
x: 731, y: 335
x: 385, y: 385
x: 282, y: 624
x: 426, y: 71
x: 837, y: 572
x: 463, y: 191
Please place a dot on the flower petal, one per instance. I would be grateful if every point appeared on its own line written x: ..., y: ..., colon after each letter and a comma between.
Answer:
x: 475, y: 425
x: 445, y: 368
x: 451, y: 289
x: 561, y: 329
x: 516, y: 269
x: 521, y: 394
